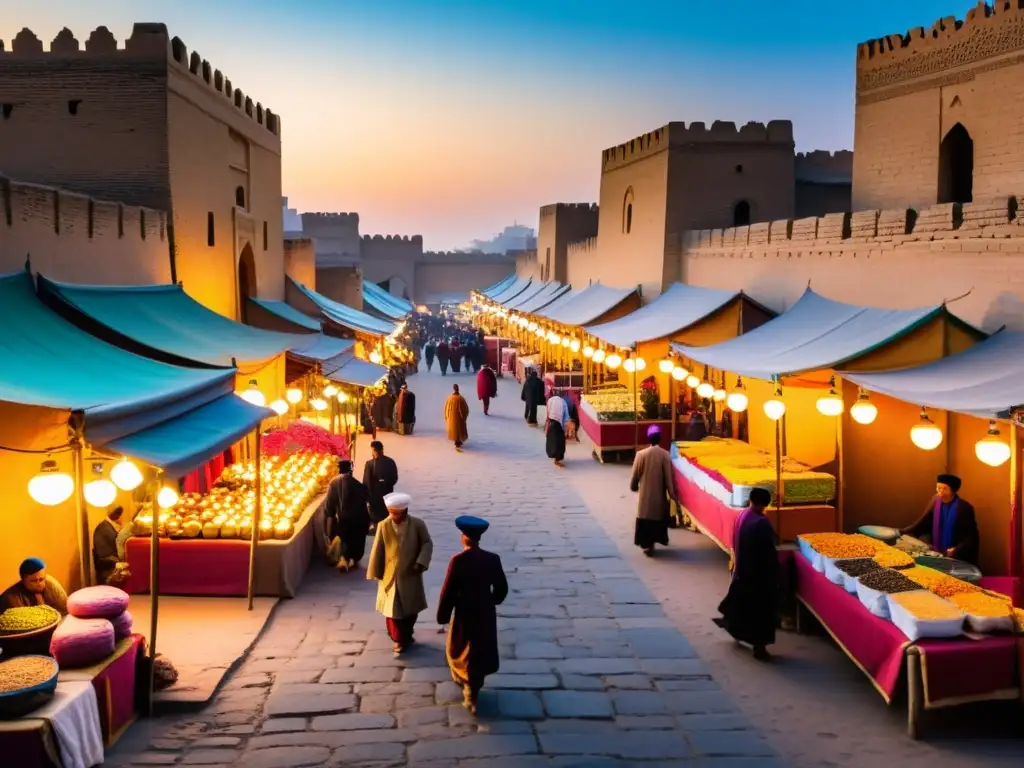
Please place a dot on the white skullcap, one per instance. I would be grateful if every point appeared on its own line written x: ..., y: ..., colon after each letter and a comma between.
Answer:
x: 397, y: 501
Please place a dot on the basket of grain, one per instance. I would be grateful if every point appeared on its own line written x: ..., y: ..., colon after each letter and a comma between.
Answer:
x: 26, y: 683
x: 27, y: 631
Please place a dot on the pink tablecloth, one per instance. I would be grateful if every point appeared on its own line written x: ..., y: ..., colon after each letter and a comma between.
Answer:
x: 714, y: 518
x: 953, y: 671
x: 191, y: 567
x: 114, y: 681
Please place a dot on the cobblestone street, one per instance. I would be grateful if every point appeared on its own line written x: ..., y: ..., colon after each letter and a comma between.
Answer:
x: 592, y: 672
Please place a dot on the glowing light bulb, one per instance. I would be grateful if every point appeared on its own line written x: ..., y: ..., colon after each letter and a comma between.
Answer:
x: 705, y: 389
x: 532, y: 326
x: 167, y: 497
x: 566, y: 341
x: 330, y: 390
x: 629, y: 365
x: 280, y: 407
x: 692, y: 381
x: 830, y: 404
x: 775, y: 409
x: 51, y: 486
x: 574, y: 345
x: 126, y: 475
x: 342, y: 396
x: 991, y: 449
x: 100, y: 493
x: 737, y: 401
x: 319, y: 404
x: 253, y: 396
x: 588, y: 351
x: 613, y: 361
x: 375, y: 357
x: 640, y: 363
x: 925, y: 435
x: 540, y: 333
x: 556, y: 339
x: 599, y: 355
x: 864, y: 411
x: 293, y: 396
x: 718, y: 395
x: 666, y: 365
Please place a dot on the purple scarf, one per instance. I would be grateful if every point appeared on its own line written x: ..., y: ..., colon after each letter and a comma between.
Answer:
x: 942, y: 529
x: 737, y: 529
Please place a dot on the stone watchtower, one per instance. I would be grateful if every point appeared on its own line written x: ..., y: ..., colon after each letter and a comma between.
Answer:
x: 679, y: 178
x: 939, y: 112
x: 151, y: 125
x: 562, y: 224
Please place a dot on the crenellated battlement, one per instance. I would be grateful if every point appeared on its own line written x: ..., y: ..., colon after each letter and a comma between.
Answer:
x: 679, y: 134
x: 571, y: 208
x: 392, y: 239
x: 985, y: 32
x: 348, y: 219
x: 821, y: 164
x: 147, y: 41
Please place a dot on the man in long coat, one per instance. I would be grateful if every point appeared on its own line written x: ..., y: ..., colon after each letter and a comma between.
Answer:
x: 443, y: 356
x: 652, y: 479
x: 346, y: 518
x: 456, y: 413
x: 405, y: 411
x: 533, y: 396
x: 401, y: 553
x: 380, y: 476
x: 486, y: 387
x: 474, y: 586
x: 749, y: 609
x: 428, y: 353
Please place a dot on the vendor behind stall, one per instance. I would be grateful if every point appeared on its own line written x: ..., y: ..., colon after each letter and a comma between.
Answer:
x: 35, y: 588
x: 950, y: 521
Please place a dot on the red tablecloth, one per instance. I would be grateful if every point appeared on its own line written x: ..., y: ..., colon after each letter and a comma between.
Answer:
x: 715, y: 519
x: 114, y: 682
x: 620, y: 435
x: 953, y: 671
x: 217, y: 568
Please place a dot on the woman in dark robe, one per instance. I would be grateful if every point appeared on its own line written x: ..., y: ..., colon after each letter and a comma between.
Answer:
x: 749, y: 609
x: 428, y: 352
x: 455, y: 355
x: 443, y: 356
x: 533, y: 396
x: 347, y: 518
x: 473, y: 588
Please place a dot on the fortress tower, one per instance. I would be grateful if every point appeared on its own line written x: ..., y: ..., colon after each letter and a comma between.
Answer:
x: 939, y: 112
x: 153, y: 125
x: 561, y: 225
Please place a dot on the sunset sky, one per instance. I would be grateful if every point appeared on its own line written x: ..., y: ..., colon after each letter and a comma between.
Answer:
x: 452, y: 119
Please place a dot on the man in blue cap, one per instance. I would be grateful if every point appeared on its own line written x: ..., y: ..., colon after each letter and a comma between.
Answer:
x: 36, y: 587
x: 473, y: 588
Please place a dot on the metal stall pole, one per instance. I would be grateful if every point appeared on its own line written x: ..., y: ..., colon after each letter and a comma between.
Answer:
x: 256, y: 515
x: 81, y: 511
x: 154, y: 585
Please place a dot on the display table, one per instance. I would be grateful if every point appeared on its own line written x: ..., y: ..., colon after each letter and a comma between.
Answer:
x: 220, y: 567
x: 70, y: 721
x: 717, y: 520
x: 610, y: 437
x: 492, y: 345
x: 508, y: 362
x: 525, y: 363
x: 939, y: 673
x: 114, y: 682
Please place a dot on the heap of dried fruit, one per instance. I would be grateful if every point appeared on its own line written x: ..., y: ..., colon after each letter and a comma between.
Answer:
x: 981, y: 604
x: 888, y: 581
x: 893, y: 558
x: 27, y: 619
x: 23, y: 672
x: 857, y: 567
x: 843, y: 545
x: 939, y: 583
x: 922, y: 604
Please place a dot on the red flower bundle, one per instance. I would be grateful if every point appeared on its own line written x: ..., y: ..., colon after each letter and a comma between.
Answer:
x: 303, y: 436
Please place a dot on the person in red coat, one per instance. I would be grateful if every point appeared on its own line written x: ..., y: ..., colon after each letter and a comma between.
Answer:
x: 473, y: 588
x: 486, y: 386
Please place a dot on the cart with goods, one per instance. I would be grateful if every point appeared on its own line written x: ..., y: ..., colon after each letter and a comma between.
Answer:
x: 27, y: 630
x: 26, y: 684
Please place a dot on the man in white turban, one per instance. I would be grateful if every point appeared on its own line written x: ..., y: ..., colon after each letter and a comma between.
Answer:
x: 401, y: 553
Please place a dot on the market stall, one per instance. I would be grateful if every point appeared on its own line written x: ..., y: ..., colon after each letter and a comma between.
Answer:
x: 788, y: 366
x: 952, y: 642
x: 384, y: 304
x: 683, y: 313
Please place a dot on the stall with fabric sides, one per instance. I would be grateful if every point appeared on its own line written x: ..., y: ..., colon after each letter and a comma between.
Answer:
x: 76, y: 402
x: 522, y: 326
x: 791, y: 441
x: 353, y: 377
x: 493, y: 290
x: 652, y: 390
x: 384, y: 305
x: 204, y: 534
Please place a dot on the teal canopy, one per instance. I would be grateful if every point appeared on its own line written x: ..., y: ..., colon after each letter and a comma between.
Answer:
x: 352, y: 370
x: 288, y: 313
x: 181, y: 445
x: 499, y: 286
x: 48, y: 363
x: 165, y: 322
x: 344, y: 315
x: 383, y: 302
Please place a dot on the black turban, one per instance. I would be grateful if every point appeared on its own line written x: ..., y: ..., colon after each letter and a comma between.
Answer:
x: 951, y: 480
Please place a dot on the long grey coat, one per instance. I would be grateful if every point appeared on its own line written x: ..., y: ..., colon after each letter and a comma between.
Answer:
x: 394, y: 567
x: 652, y: 477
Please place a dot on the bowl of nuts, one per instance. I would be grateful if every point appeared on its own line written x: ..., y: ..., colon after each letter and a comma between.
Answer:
x: 26, y: 683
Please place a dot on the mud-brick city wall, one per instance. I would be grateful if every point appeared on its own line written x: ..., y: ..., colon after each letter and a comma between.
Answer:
x: 76, y: 239
x: 894, y: 259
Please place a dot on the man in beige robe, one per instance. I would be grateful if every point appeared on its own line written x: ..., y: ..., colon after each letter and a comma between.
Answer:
x: 456, y: 413
x: 401, y: 552
x: 652, y: 479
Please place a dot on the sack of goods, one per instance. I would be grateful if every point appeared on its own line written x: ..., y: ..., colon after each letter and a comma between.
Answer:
x: 874, y: 587
x: 986, y: 613
x: 853, y: 569
x: 920, y: 614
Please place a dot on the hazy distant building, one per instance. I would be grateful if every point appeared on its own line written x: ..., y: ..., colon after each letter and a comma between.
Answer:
x: 292, y: 220
x: 514, y: 238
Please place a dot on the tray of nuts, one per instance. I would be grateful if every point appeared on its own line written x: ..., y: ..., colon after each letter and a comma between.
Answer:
x: 853, y: 569
x: 874, y: 586
x: 26, y: 683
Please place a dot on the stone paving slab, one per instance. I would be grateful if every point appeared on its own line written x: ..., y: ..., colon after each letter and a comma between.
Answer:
x: 592, y: 673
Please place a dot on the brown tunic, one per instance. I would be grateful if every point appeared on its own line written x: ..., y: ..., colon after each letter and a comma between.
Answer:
x: 652, y: 477
x: 456, y: 412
